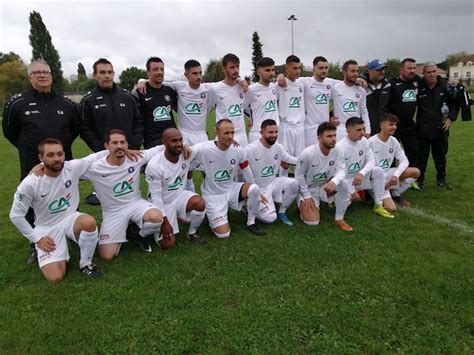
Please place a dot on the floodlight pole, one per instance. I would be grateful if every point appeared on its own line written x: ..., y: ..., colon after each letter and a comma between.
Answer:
x: 292, y: 18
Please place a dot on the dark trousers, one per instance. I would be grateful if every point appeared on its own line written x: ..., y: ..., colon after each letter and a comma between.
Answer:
x: 439, y: 149
x: 409, y: 140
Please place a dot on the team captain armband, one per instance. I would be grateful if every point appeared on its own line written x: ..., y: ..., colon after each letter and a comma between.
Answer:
x: 244, y: 164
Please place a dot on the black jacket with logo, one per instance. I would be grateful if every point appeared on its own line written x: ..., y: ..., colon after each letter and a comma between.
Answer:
x: 31, y: 116
x: 403, y: 101
x: 106, y: 109
x: 156, y: 108
x: 378, y: 97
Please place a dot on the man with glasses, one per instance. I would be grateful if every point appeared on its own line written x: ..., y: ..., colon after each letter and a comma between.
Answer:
x: 36, y: 114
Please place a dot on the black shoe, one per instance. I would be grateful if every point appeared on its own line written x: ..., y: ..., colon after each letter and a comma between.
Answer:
x: 253, y: 228
x: 132, y: 232
x: 443, y: 184
x: 196, y: 238
x: 32, y: 256
x: 402, y: 202
x: 92, y: 199
x: 144, y: 245
x: 421, y: 186
x: 90, y: 270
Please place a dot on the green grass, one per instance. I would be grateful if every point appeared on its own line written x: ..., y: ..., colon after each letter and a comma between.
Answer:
x: 402, y: 285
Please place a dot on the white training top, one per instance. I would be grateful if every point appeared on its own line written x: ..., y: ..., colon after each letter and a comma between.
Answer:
x: 52, y: 198
x: 264, y: 162
x: 166, y: 180
x: 261, y: 103
x: 350, y: 101
x: 229, y: 102
x: 220, y: 166
x: 119, y: 186
x: 315, y: 169
x: 386, y: 152
x: 291, y: 102
x: 358, y: 156
x: 193, y: 105
x: 317, y: 96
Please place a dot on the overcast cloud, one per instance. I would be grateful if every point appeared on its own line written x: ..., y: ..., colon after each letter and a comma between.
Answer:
x: 128, y: 32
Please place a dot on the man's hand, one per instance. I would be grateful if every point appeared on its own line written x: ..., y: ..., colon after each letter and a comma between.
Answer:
x: 393, y: 182
x: 244, y: 86
x: 236, y: 144
x: 357, y: 179
x: 361, y: 82
x: 263, y: 199
x: 330, y: 188
x: 46, y: 244
x: 334, y: 120
x: 166, y: 229
x: 308, y: 205
x: 446, y: 124
x: 141, y: 87
x: 38, y: 170
x: 355, y: 197
x: 187, y: 151
x: 133, y: 154
x: 281, y: 81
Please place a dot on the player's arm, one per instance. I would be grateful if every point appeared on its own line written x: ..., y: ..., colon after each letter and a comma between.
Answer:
x: 369, y: 161
x: 155, y: 187
x: 403, y: 162
x: 365, y: 116
x: 300, y: 175
x: 340, y: 170
x: 246, y: 171
x: 287, y: 158
x: 11, y: 126
x: 21, y: 203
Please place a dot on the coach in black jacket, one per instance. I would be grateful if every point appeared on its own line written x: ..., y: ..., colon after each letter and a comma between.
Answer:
x: 437, y: 110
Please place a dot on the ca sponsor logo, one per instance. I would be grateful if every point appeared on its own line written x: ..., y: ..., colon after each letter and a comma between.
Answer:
x: 321, y: 99
x: 222, y: 175
x: 267, y: 171
x: 354, y: 167
x: 349, y: 106
x: 270, y: 106
x: 162, y: 113
x: 60, y: 204
x: 384, y: 163
x: 409, y: 95
x: 176, y: 184
x: 320, y: 177
x: 295, y: 102
x: 193, y: 108
x: 235, y: 110
x: 123, y: 188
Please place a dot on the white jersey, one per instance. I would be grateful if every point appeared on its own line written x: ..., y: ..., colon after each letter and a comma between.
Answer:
x: 229, y: 102
x: 220, y: 166
x: 314, y: 169
x: 291, y: 102
x: 119, y: 185
x: 193, y: 105
x: 317, y: 95
x: 350, y: 101
x: 52, y: 198
x: 386, y: 152
x: 358, y: 157
x: 261, y: 103
x: 264, y: 162
x: 166, y: 180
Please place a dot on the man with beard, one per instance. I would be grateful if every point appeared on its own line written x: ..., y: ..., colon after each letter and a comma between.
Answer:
x: 166, y: 175
x: 349, y: 100
x: 260, y: 101
x: 320, y: 173
x: 265, y: 156
x: 55, y: 197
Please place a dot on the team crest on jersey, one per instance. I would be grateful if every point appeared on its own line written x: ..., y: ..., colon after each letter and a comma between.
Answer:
x: 273, y: 91
x: 349, y: 106
x: 331, y: 163
x: 162, y: 113
x: 232, y: 161
x: 415, y: 84
x: 409, y: 95
x: 270, y: 106
x: 275, y: 157
x: 390, y: 150
x: 167, y: 98
x: 123, y: 188
x: 241, y: 95
x: 321, y: 99
x: 122, y: 104
x: 319, y: 177
x: 328, y: 87
x: 357, y: 95
x: 267, y: 171
x: 183, y: 166
x: 60, y: 204
x: 361, y: 152
x: 301, y: 90
x: 19, y: 196
x: 193, y: 108
x: 222, y: 175
x: 150, y: 178
x: 203, y: 95
x: 67, y: 184
x: 354, y: 167
x: 60, y: 112
x: 235, y: 110
x: 295, y: 102
x: 176, y: 184
x: 131, y: 170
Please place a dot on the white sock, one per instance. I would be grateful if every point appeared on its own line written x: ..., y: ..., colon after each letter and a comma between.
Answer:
x: 289, y: 194
x: 149, y: 228
x: 253, y: 203
x: 378, y: 185
x: 283, y: 172
x: 402, y: 186
x: 87, y: 243
x: 195, y: 218
x: 190, y: 185
x: 342, y: 199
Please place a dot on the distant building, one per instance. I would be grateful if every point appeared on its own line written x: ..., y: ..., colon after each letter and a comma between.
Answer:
x: 464, y: 70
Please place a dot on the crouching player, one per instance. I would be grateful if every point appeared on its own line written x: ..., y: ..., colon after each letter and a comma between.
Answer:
x: 361, y: 172
x: 166, y: 175
x: 320, y: 172
x: 386, y: 149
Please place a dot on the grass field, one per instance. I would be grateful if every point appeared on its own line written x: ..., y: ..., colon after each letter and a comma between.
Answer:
x: 402, y: 285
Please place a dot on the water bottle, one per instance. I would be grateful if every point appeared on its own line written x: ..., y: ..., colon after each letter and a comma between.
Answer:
x: 445, y: 110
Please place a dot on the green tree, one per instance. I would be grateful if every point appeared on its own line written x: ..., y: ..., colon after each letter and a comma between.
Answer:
x: 452, y: 60
x: 392, y: 67
x: 13, y: 79
x: 43, y: 48
x: 335, y: 71
x: 257, y: 54
x: 213, y: 72
x: 81, y: 72
x: 8, y: 57
x: 130, y: 76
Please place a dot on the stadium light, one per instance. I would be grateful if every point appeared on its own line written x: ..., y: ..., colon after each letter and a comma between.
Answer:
x: 292, y: 18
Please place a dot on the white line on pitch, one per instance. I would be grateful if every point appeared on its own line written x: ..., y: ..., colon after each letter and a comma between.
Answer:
x: 438, y: 219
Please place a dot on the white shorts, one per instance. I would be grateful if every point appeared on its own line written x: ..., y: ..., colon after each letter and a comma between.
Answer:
x: 317, y: 195
x: 217, y: 205
x: 273, y: 193
x: 115, y: 223
x: 310, y: 135
x: 59, y: 232
x: 365, y: 185
x: 254, y: 135
x: 177, y: 208
x: 292, y: 138
x: 191, y: 137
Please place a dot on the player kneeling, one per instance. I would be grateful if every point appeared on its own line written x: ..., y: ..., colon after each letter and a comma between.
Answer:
x: 361, y: 172
x: 386, y: 149
x: 166, y: 174
x: 320, y: 173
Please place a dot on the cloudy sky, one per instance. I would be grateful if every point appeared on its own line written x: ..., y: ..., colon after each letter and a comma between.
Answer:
x: 128, y: 32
